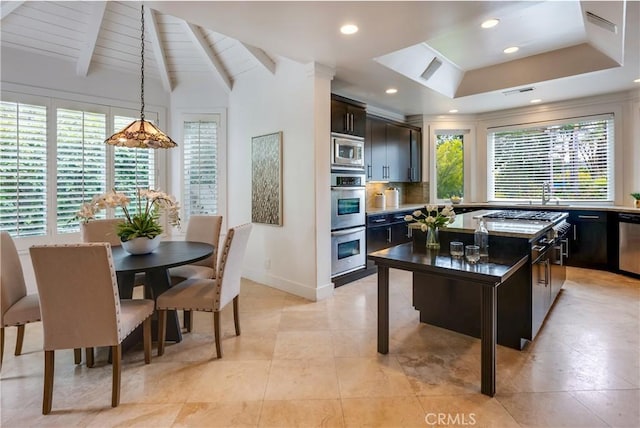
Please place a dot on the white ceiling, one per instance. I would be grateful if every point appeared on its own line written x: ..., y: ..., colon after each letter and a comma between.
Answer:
x: 562, y: 55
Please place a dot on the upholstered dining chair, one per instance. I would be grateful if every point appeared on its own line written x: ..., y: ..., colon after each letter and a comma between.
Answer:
x: 18, y: 307
x: 200, y: 228
x: 81, y: 307
x: 209, y: 295
x: 103, y: 230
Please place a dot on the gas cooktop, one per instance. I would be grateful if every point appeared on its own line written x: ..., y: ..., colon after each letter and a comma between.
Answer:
x: 549, y: 216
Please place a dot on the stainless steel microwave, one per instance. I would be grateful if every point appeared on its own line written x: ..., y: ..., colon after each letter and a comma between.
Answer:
x: 347, y: 152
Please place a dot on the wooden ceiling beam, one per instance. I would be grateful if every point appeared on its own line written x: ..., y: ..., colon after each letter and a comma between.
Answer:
x: 262, y: 57
x: 203, y: 46
x: 91, y: 37
x: 7, y: 8
x: 158, y: 49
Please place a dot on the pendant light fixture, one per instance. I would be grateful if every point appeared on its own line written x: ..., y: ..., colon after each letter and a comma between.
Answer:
x: 140, y: 133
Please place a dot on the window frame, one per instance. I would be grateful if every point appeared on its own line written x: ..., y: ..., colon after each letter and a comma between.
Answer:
x: 52, y: 101
x: 557, y: 121
x: 220, y: 115
x: 452, y: 128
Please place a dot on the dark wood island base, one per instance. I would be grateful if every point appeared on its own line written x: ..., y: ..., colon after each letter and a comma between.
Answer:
x: 430, y: 267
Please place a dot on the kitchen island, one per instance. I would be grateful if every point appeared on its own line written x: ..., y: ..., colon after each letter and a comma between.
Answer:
x: 503, y: 300
x: 485, y: 278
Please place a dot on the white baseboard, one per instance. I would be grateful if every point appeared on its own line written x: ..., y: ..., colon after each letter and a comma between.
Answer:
x: 306, y: 291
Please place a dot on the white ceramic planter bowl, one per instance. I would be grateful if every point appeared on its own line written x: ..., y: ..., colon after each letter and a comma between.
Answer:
x: 143, y: 245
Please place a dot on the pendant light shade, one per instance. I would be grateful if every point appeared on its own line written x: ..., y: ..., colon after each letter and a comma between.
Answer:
x: 143, y: 135
x: 140, y: 133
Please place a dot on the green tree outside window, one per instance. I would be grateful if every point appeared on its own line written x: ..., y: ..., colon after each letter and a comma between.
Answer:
x: 449, y: 166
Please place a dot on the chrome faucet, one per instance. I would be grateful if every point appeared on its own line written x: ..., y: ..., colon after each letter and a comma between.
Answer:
x: 546, y: 192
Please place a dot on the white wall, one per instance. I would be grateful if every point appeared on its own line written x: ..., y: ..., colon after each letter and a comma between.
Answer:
x: 296, y: 101
x: 38, y: 75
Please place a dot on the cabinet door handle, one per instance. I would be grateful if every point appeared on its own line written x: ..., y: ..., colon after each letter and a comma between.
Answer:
x: 560, y: 254
x: 389, y: 235
x: 378, y: 220
x: 575, y: 234
x: 546, y: 272
x: 562, y: 244
x: 410, y: 175
x: 409, y: 232
x: 590, y: 217
x: 352, y: 128
x: 368, y: 171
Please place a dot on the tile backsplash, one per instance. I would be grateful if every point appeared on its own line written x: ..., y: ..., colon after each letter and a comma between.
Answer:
x: 409, y: 193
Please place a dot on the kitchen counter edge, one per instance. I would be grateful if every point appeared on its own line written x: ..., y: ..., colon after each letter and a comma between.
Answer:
x: 489, y: 206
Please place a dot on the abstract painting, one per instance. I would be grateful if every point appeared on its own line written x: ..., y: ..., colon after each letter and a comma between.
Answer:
x: 266, y: 179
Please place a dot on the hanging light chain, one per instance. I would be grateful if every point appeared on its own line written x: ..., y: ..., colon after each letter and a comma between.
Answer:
x: 142, y: 63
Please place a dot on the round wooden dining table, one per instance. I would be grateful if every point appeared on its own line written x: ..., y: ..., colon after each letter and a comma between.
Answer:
x: 156, y: 266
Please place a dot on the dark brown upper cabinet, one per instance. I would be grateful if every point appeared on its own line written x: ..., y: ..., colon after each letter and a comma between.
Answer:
x: 392, y: 151
x: 347, y: 116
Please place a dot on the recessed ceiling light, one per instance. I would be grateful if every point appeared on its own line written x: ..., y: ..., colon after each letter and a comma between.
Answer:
x: 391, y: 91
x: 490, y: 23
x: 511, y: 49
x: 536, y: 101
x: 349, y: 29
x: 453, y: 110
x: 636, y: 81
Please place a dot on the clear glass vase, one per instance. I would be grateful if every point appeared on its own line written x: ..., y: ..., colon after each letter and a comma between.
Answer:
x: 433, y: 241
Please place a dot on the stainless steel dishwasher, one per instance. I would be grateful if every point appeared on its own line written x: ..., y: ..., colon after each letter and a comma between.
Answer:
x: 629, y: 249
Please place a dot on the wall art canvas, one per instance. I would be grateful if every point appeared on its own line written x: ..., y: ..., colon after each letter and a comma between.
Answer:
x: 266, y: 179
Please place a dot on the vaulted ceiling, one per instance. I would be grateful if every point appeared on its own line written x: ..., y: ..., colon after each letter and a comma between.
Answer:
x: 568, y: 49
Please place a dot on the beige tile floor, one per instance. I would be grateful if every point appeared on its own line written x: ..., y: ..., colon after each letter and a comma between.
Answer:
x: 306, y: 364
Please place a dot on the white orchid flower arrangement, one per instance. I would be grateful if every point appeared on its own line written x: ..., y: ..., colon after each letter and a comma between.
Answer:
x: 145, y: 223
x: 433, y: 218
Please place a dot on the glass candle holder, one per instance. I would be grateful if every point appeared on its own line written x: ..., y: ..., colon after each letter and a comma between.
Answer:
x: 472, y: 253
x: 456, y: 249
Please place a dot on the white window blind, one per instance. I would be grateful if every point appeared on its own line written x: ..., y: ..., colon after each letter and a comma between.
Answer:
x: 133, y: 168
x: 81, y: 163
x: 200, y: 167
x: 23, y: 169
x: 575, y: 157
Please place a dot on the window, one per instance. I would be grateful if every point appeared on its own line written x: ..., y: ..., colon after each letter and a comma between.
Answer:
x: 53, y: 158
x: 133, y: 168
x: 23, y: 166
x: 449, y: 164
x: 200, y: 166
x: 575, y: 157
x: 81, y: 160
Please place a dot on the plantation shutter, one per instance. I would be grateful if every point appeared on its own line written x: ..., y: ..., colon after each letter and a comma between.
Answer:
x: 575, y: 157
x: 81, y: 163
x: 133, y: 168
x: 200, y: 167
x: 23, y: 166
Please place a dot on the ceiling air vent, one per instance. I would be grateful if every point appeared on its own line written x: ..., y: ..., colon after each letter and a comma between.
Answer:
x: 518, y: 91
x: 601, y: 22
x: 433, y: 66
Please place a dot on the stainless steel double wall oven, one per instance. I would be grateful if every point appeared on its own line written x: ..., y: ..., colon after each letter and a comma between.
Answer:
x: 348, y: 218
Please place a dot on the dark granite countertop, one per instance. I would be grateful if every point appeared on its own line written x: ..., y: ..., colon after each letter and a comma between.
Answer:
x: 468, y: 222
x: 501, y: 206
x: 491, y: 273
